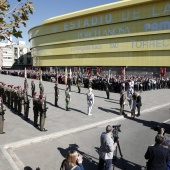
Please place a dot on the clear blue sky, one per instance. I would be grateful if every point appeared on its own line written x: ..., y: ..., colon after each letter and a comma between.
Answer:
x: 45, y: 9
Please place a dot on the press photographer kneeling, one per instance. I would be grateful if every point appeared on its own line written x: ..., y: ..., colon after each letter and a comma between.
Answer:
x: 107, y: 148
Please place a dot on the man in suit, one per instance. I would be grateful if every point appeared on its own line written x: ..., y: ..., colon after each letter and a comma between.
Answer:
x: 157, y: 155
x: 138, y: 103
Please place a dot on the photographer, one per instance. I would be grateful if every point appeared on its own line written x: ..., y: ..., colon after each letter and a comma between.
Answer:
x: 73, y: 161
x: 106, y: 150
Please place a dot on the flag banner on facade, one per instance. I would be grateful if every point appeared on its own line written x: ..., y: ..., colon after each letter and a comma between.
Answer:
x: 66, y: 75
x: 25, y: 73
x: 40, y: 75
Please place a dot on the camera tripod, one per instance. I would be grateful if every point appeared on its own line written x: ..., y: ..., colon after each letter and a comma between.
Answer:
x: 115, y: 155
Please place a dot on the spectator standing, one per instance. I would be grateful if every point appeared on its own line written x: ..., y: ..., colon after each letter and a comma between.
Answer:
x: 157, y: 155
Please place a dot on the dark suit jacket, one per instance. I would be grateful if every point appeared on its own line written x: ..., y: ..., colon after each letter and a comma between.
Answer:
x: 158, y: 157
x: 138, y: 101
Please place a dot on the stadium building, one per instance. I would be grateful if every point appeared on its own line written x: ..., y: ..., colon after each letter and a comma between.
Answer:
x: 132, y: 33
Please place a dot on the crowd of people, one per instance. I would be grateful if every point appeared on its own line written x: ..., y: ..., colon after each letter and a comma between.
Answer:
x: 129, y: 88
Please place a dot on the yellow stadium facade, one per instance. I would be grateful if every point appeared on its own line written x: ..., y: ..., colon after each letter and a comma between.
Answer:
x: 125, y: 33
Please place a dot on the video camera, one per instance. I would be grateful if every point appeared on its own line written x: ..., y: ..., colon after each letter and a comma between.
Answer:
x: 116, y: 130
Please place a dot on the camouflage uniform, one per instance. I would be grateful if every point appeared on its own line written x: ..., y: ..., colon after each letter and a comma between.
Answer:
x: 26, y: 104
x: 68, y: 98
x: 2, y: 112
x: 32, y: 88
x: 35, y: 109
x: 56, y: 94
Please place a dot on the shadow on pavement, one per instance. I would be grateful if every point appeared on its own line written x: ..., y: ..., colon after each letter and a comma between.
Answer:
x: 108, y: 110
x: 152, y: 124
x: 124, y: 164
x: 78, y: 111
x: 89, y: 162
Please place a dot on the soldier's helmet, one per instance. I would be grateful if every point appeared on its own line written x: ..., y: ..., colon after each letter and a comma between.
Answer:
x: 24, y: 90
x: 41, y: 96
x: 56, y: 84
x: 35, y: 93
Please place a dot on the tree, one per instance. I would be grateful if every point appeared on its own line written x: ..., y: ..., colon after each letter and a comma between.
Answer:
x: 11, y: 18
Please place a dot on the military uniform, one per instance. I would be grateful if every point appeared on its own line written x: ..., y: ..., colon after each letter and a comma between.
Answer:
x: 68, y: 98
x: 78, y: 82
x: 41, y: 88
x: 26, y: 104
x: 90, y: 101
x: 35, y: 109
x: 15, y: 99
x: 12, y: 97
x: 25, y: 85
x: 4, y: 93
x: 42, y: 109
x: 69, y: 83
x: 19, y: 100
x: 32, y: 88
x: 2, y: 112
x: 122, y: 102
x: 56, y: 94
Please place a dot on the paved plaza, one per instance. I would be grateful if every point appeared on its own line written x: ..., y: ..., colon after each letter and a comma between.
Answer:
x: 59, y: 122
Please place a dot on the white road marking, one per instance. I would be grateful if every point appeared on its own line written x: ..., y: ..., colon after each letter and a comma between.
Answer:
x: 166, y: 121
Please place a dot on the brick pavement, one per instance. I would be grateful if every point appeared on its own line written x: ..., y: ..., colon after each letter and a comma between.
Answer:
x: 60, y: 122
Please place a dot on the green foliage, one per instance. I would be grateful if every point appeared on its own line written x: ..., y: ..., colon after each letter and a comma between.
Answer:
x: 12, y: 17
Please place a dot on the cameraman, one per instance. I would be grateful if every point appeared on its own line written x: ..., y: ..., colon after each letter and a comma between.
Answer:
x: 106, y: 150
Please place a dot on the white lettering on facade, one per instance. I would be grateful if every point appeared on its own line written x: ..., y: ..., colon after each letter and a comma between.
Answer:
x: 167, y: 8
x: 86, y: 23
x: 125, y: 15
x: 153, y: 12
x: 94, y: 21
x: 136, y: 14
x: 108, y: 18
x: 114, y: 45
x: 72, y: 25
x: 164, y: 25
x: 65, y: 26
x: 150, y: 44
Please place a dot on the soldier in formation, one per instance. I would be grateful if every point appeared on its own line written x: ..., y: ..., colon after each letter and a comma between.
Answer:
x: 26, y: 85
x: 78, y: 82
x: 41, y: 88
x: 26, y: 104
x: 2, y: 112
x: 68, y: 98
x: 69, y: 82
x: 56, y: 95
x: 32, y: 87
x: 35, y: 109
x: 43, y: 109
x: 19, y: 100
